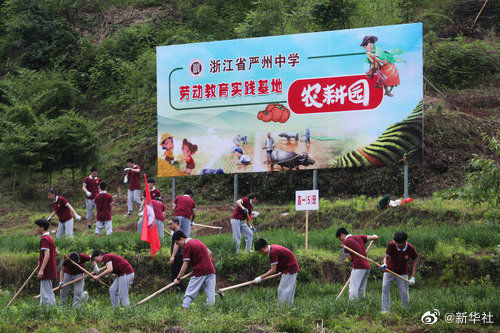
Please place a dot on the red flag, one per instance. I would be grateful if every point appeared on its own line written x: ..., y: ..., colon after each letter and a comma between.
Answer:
x: 149, y: 228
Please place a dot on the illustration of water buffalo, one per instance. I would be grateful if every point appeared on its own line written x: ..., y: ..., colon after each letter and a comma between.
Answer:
x: 289, y: 159
x: 289, y: 135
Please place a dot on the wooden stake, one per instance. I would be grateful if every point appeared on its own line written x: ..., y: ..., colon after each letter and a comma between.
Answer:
x: 307, y: 228
x: 349, y: 279
x: 162, y: 290
x: 375, y: 263
x: 67, y: 284
x: 479, y: 13
x: 86, y: 272
x: 22, y: 287
x: 248, y: 283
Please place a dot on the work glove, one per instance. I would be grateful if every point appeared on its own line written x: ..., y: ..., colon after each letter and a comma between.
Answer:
x: 257, y: 280
x: 192, y: 223
x: 141, y: 213
x: 254, y: 229
x: 125, y: 180
x: 383, y: 267
x: 89, y: 194
x: 245, y: 210
x: 78, y: 217
x: 48, y: 220
x: 96, y: 269
x: 412, y: 281
x: 60, y: 284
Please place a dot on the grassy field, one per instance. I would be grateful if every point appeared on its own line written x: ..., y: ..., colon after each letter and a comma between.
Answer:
x: 457, y: 243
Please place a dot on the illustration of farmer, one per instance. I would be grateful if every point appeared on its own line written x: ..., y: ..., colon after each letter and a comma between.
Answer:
x: 382, y: 65
x: 188, y: 149
x: 167, y: 144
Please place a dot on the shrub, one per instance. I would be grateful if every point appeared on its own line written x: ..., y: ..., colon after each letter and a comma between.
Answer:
x: 458, y: 64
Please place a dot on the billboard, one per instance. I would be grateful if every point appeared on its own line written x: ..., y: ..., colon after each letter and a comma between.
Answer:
x: 308, y: 101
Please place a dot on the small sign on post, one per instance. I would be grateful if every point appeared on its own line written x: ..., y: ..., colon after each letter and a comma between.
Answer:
x: 307, y: 200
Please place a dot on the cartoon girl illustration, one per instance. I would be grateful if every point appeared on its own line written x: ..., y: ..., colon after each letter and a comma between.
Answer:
x: 375, y: 65
x: 188, y: 149
x: 167, y: 144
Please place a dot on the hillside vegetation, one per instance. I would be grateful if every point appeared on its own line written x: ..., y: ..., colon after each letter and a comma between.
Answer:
x: 78, y: 87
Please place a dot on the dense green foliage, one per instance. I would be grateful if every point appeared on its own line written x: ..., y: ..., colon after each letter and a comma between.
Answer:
x: 95, y: 61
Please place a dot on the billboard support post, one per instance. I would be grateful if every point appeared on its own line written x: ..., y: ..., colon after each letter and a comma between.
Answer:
x: 235, y: 195
x: 315, y: 179
x: 405, y: 175
x: 173, y: 189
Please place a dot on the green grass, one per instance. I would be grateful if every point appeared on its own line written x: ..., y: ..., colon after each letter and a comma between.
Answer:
x: 244, y: 308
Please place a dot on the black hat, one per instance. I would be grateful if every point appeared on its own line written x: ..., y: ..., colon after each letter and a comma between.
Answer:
x: 368, y: 39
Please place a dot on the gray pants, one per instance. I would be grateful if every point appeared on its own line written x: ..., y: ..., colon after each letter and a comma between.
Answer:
x: 241, y: 228
x: 194, y: 286
x: 185, y: 225
x: 65, y: 229
x: 46, y: 293
x: 134, y: 196
x: 118, y: 292
x: 403, y: 287
x: 107, y: 225
x: 286, y: 289
x: 89, y: 204
x: 77, y: 291
x: 159, y: 224
x: 357, y: 286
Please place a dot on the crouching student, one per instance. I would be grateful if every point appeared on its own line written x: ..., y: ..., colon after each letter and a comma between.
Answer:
x: 399, y: 252
x: 47, y: 270
x: 196, y: 253
x: 70, y: 272
x: 118, y: 292
x: 283, y: 261
x: 360, y: 267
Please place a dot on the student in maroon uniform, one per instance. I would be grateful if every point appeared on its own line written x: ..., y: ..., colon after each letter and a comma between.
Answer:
x: 397, y: 255
x: 70, y: 272
x: 184, y: 209
x: 155, y: 193
x: 64, y: 212
x: 196, y: 253
x: 283, y: 261
x: 241, y: 214
x: 124, y: 276
x: 158, y: 209
x: 91, y: 188
x: 103, y: 202
x: 133, y: 178
x: 360, y: 267
x: 47, y: 270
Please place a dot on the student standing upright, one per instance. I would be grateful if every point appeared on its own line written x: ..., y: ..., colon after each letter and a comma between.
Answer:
x: 175, y: 253
x: 47, y: 266
x: 283, y: 261
x: 64, y: 211
x: 90, y: 187
x: 399, y: 252
x: 184, y: 209
x: 241, y: 214
x: 360, y: 267
x: 133, y: 178
x: 103, y: 202
x: 196, y: 253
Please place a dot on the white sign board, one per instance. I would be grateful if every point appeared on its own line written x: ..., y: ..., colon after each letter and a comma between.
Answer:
x: 307, y: 200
